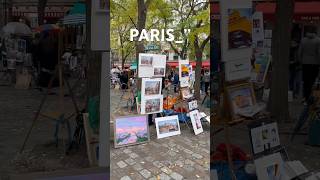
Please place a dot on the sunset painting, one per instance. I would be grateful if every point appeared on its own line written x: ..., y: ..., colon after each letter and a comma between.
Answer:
x: 131, y: 130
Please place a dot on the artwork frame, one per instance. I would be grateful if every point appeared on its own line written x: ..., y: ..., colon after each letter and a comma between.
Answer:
x: 185, y: 93
x: 196, y: 121
x: 159, y: 71
x: 239, y: 28
x: 261, y: 68
x: 148, y: 102
x: 148, y: 63
x: 264, y: 137
x: 238, y: 69
x: 147, y: 88
x: 270, y: 167
x: 159, y: 122
x: 240, y: 96
x: 193, y: 105
x: 142, y: 121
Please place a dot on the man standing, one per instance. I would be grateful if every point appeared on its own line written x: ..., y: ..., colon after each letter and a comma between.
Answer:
x: 175, y: 81
x: 206, y: 81
x: 309, y: 54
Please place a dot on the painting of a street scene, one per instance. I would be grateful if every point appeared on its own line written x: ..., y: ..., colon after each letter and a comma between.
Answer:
x: 158, y: 71
x: 131, y: 130
x: 146, y: 61
x: 152, y: 88
x: 167, y: 126
x: 153, y: 105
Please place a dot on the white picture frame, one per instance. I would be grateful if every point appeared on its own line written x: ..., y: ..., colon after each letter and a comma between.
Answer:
x: 270, y: 167
x: 167, y: 126
x: 147, y: 67
x: 184, y: 63
x: 151, y: 86
x: 184, y: 82
x: 196, y: 121
x: 151, y: 104
x: 238, y: 69
x: 193, y: 105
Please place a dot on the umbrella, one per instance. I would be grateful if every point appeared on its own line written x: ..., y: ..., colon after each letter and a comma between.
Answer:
x: 17, y: 28
x: 48, y: 27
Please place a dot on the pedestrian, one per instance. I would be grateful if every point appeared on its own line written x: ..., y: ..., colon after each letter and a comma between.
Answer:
x: 176, y: 81
x: 293, y: 68
x: 309, y: 52
x: 206, y: 79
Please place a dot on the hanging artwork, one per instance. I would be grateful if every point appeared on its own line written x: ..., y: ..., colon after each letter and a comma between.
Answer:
x: 258, y: 29
x: 241, y: 97
x: 130, y: 130
x: 193, y: 105
x: 151, y: 87
x: 151, y: 65
x: 185, y: 93
x: 240, y: 28
x: 260, y: 70
x: 151, y: 104
x: 238, y: 69
x: 184, y: 73
x: 196, y: 122
x: 167, y: 126
x: 270, y: 167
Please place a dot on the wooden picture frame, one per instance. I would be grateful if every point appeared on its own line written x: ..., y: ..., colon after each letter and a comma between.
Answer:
x: 240, y: 96
x: 140, y: 120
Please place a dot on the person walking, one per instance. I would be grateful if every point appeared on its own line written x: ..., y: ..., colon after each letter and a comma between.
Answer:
x: 175, y: 81
x: 206, y: 79
x: 309, y: 52
x: 293, y: 68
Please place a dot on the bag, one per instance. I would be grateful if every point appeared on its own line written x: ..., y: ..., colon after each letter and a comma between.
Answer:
x: 23, y: 80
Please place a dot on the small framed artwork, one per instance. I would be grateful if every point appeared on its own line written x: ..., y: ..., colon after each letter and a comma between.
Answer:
x: 167, y: 126
x: 151, y: 87
x: 238, y: 69
x: 196, y: 122
x: 152, y: 104
x: 185, y: 93
x: 146, y: 61
x: 193, y: 105
x: 240, y: 97
x: 185, y: 82
x: 270, y: 167
x: 264, y: 136
x: 159, y: 71
x: 131, y: 130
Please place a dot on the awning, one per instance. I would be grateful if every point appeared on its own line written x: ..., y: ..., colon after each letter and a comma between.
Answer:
x: 76, y: 15
x: 304, y: 11
x: 175, y: 64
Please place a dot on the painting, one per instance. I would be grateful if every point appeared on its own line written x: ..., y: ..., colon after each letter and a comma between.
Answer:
x: 152, y: 104
x: 270, y: 167
x: 130, y: 130
x: 185, y: 93
x: 193, y: 105
x: 151, y: 87
x: 167, y: 126
x: 196, y: 122
x: 241, y: 97
x: 264, y: 137
x: 240, y: 28
x: 158, y: 71
x: 146, y: 61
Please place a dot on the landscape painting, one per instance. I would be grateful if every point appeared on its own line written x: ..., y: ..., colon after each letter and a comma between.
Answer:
x: 151, y: 104
x: 151, y: 86
x: 167, y: 126
x: 130, y: 130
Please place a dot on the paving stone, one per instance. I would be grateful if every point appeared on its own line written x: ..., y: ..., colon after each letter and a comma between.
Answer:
x: 153, y: 178
x: 179, y: 163
x: 157, y: 164
x: 176, y: 176
x: 189, y: 162
x: 188, y: 168
x: 163, y: 176
x: 133, y: 155
x: 198, y: 156
x: 121, y: 164
x: 145, y: 173
x: 172, y: 153
x: 125, y: 178
x: 166, y: 170
x: 130, y: 161
x: 149, y: 159
x: 127, y: 151
x: 187, y: 151
x: 137, y: 167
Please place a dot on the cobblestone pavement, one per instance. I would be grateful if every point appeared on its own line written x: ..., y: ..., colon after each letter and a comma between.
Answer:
x: 185, y: 156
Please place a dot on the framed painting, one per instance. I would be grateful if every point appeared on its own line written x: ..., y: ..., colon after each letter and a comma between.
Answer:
x: 131, y: 130
x: 167, y: 126
x: 196, y: 121
x: 152, y: 104
x: 151, y: 87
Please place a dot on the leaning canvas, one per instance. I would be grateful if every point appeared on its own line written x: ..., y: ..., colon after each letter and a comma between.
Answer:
x: 167, y: 126
x: 151, y: 104
x: 196, y: 121
x: 270, y: 167
x: 130, y: 130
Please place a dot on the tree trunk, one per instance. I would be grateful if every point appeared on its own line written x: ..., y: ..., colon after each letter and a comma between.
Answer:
x: 142, y: 18
x: 278, y: 100
x: 198, y: 74
x: 41, y: 11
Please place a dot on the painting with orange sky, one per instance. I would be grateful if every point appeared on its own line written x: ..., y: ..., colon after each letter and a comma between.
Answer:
x: 131, y: 130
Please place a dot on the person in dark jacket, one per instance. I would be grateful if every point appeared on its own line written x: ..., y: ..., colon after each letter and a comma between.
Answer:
x: 175, y: 81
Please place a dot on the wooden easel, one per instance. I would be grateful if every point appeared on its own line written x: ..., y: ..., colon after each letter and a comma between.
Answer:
x: 58, y: 115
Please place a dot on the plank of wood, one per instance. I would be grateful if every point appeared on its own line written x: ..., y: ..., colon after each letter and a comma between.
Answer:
x: 90, y: 141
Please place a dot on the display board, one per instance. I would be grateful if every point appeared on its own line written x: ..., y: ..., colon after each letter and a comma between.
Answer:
x: 152, y: 65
